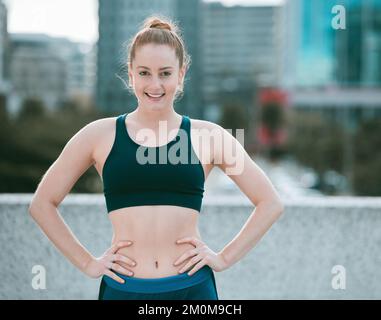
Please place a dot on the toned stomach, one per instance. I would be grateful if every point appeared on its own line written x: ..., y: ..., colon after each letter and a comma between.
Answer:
x: 154, y: 231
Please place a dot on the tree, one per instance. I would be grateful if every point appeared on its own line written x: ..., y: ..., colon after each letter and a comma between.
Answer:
x: 316, y: 142
x: 32, y: 108
x: 367, y: 171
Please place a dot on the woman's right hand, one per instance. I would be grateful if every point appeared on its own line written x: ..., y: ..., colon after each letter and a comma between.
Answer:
x: 104, y: 264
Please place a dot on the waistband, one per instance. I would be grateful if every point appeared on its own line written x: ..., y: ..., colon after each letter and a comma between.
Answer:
x: 157, y: 285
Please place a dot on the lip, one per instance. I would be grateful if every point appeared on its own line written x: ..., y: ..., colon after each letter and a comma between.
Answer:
x: 154, y: 99
x: 154, y: 94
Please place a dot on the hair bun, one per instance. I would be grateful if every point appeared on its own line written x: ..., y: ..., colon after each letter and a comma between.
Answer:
x: 158, y: 24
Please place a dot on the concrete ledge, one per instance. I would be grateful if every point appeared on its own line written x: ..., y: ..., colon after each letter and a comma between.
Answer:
x: 294, y: 260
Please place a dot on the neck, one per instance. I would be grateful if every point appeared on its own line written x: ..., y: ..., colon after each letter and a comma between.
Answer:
x: 152, y: 118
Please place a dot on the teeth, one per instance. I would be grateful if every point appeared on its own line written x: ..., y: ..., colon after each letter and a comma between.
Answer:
x: 154, y: 96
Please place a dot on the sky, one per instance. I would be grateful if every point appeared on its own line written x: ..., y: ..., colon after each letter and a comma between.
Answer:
x: 74, y: 19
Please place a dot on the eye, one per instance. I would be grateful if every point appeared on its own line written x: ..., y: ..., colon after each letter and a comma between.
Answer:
x: 165, y: 73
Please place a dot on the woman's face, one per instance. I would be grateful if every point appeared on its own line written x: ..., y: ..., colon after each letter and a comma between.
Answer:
x: 155, y: 76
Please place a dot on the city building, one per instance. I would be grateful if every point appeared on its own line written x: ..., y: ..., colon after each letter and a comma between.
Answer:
x: 4, y: 50
x: 119, y: 20
x: 308, y: 46
x: 358, y: 49
x: 51, y: 69
x: 241, y: 50
x: 330, y: 70
x: 317, y: 54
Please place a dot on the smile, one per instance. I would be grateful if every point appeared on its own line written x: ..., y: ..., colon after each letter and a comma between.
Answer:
x: 154, y: 98
x: 154, y: 95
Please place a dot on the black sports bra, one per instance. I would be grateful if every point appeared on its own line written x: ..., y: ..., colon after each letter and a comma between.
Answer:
x: 133, y: 175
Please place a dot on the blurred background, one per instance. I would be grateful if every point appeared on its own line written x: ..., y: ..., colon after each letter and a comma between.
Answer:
x: 301, y: 77
x: 307, y: 93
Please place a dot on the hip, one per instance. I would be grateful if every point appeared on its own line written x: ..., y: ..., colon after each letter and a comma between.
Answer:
x: 200, y: 285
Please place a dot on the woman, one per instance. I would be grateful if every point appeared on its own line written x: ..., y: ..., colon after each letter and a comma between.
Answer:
x: 152, y: 203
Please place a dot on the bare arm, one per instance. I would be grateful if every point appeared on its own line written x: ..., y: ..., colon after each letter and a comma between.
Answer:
x: 75, y: 158
x: 257, y: 187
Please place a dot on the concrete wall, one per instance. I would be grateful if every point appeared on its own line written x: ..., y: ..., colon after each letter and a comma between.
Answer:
x: 294, y: 260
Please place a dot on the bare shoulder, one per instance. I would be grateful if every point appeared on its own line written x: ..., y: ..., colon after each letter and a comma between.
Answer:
x: 75, y: 158
x: 95, y: 136
x: 205, y: 124
x: 103, y: 133
x: 99, y: 126
x: 210, y: 138
x: 219, y: 141
x: 210, y: 130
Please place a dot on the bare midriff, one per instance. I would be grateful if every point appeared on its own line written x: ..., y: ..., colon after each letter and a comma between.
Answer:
x: 154, y: 231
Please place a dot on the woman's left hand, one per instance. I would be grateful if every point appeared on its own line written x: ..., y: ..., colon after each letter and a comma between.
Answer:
x: 202, y: 255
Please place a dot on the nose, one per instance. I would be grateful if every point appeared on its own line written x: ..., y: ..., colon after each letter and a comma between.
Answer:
x: 155, y: 82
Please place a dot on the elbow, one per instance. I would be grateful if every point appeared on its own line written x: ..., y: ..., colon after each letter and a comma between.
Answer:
x: 35, y: 206
x: 281, y: 209
x: 32, y: 208
x: 275, y: 206
x: 39, y: 205
x: 278, y: 206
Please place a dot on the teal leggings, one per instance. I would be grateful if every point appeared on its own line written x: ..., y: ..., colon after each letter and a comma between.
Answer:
x: 199, y: 286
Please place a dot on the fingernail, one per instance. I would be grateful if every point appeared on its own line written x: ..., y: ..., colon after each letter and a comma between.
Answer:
x: 130, y: 273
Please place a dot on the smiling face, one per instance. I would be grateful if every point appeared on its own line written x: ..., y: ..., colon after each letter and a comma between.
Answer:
x: 155, y: 76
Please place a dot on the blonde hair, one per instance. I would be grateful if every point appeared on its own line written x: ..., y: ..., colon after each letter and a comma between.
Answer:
x: 162, y: 31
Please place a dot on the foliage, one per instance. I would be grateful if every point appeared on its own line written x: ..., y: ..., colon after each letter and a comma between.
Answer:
x: 367, y: 152
x: 32, y: 141
x: 315, y: 141
x: 318, y: 143
x: 272, y: 116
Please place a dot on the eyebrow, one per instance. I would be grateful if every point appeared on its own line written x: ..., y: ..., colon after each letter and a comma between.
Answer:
x: 159, y: 69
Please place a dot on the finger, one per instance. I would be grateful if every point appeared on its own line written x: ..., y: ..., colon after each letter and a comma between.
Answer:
x: 185, y: 256
x: 122, y: 258
x: 113, y: 276
x: 192, y: 240
x: 120, y: 269
x: 197, y: 267
x: 112, y: 248
x: 190, y: 264
x: 109, y: 265
x: 119, y: 245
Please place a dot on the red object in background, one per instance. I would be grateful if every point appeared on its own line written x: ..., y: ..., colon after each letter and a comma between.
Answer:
x: 266, y: 138
x: 272, y: 95
x: 263, y: 135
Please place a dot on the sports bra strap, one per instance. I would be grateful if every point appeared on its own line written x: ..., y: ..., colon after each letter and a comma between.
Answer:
x: 127, y: 183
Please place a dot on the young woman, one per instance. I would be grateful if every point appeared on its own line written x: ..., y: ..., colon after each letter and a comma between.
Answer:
x: 152, y: 203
